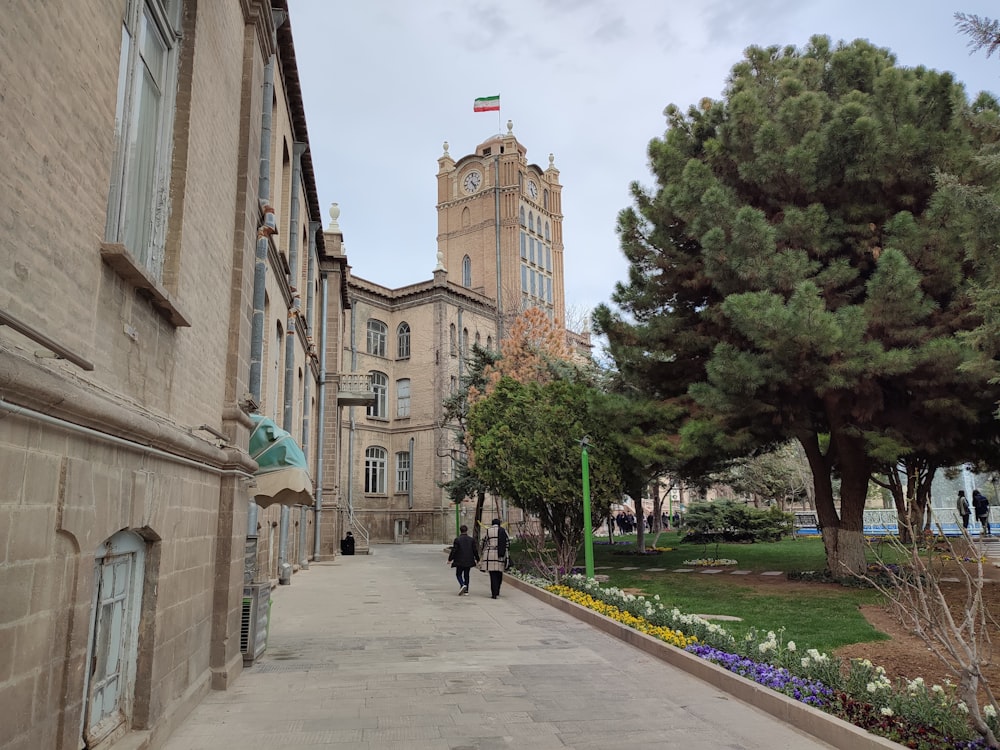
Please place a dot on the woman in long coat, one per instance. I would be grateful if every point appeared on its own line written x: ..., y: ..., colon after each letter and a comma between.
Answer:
x: 494, y: 556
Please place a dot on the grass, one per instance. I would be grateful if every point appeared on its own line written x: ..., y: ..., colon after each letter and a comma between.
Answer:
x: 824, y: 617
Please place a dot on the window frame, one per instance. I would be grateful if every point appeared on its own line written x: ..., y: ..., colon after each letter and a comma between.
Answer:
x: 377, y: 334
x: 403, y: 398
x: 403, y: 341
x: 144, y: 157
x: 403, y: 473
x: 376, y: 466
x: 379, y: 408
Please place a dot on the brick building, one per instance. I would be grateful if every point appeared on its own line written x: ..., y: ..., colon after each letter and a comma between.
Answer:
x: 163, y: 279
x: 500, y: 251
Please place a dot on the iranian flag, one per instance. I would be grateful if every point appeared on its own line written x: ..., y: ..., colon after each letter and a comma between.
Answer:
x: 487, y: 104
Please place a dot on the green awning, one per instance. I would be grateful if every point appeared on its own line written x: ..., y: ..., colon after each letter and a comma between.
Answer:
x: 283, y: 473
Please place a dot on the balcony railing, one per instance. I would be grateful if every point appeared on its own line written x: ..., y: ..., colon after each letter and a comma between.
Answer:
x: 355, y: 389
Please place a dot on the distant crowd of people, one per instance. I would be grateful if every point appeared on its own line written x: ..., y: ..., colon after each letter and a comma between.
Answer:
x: 627, y: 523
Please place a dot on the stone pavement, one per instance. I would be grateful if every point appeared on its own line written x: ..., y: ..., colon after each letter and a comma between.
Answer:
x: 379, y: 651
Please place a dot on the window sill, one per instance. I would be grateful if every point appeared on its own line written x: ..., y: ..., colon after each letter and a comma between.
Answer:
x: 373, y: 418
x: 125, y: 265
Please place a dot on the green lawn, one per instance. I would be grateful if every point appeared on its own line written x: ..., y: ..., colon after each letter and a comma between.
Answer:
x: 821, y: 616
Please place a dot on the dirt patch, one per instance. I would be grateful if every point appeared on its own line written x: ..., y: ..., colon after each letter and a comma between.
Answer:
x: 906, y: 655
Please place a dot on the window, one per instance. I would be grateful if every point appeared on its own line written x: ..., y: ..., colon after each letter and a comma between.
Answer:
x: 546, y: 231
x: 403, y: 472
x: 548, y: 258
x: 524, y: 278
x: 451, y: 340
x: 403, y: 397
x: 467, y: 271
x: 376, y: 337
x: 477, y: 338
x: 489, y: 343
x: 403, y: 341
x: 465, y: 342
x: 522, y: 216
x: 375, y: 470
x: 531, y: 220
x: 524, y: 246
x: 380, y: 384
x: 144, y: 116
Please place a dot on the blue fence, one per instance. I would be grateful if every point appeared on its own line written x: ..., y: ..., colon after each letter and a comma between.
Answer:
x: 885, y: 522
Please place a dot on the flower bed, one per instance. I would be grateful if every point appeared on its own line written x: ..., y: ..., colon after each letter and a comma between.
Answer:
x: 711, y: 562
x: 910, y: 712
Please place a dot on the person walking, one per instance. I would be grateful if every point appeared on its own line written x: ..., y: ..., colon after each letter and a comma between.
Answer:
x: 981, y: 504
x: 495, y: 548
x: 463, y: 557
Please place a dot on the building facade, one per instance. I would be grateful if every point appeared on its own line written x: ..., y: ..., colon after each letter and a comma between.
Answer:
x: 500, y: 251
x: 164, y: 283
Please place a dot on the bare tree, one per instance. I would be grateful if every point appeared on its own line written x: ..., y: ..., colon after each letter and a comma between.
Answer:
x: 983, y: 33
x: 958, y: 633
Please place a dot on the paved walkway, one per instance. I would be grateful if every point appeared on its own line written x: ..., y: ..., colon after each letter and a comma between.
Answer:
x: 378, y: 651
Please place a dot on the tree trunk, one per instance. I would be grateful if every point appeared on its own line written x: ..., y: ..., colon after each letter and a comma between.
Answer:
x: 478, y: 525
x: 843, y: 534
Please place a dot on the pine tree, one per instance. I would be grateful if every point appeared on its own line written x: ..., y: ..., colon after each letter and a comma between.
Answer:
x: 796, y: 273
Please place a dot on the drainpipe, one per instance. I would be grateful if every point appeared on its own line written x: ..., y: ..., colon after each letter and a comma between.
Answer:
x: 314, y: 226
x: 350, y: 433
x: 310, y: 274
x: 303, y: 553
x: 321, y: 388
x: 293, y: 283
x: 284, y: 569
x: 409, y: 484
x: 264, y: 233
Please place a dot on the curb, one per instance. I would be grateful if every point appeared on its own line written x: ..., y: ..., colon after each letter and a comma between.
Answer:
x: 821, y: 725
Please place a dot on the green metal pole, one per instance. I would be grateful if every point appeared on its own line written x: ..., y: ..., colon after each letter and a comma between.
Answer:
x: 588, y: 540
x: 458, y: 519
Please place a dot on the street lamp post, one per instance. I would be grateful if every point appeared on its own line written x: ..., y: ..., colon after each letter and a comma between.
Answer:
x: 588, y: 540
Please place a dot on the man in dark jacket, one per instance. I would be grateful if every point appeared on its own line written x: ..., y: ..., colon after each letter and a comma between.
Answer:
x: 981, y: 504
x: 463, y: 557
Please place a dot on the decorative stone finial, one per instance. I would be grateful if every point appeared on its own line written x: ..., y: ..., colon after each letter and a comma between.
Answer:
x: 510, y: 127
x: 334, y: 215
x: 440, y: 261
x: 552, y: 160
x: 446, y: 149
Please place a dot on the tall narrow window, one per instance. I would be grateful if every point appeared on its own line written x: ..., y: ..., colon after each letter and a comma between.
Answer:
x: 465, y: 342
x: 375, y: 461
x: 403, y: 471
x: 144, y: 116
x: 376, y: 337
x: 489, y: 343
x: 451, y: 340
x: 380, y: 384
x: 467, y: 271
x: 403, y: 341
x: 403, y: 397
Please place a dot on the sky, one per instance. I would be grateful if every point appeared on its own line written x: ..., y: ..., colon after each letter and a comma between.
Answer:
x: 386, y: 82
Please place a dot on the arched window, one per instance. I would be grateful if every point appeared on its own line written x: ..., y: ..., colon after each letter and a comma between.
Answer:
x: 375, y: 470
x: 451, y: 340
x: 380, y: 384
x: 376, y: 337
x: 403, y: 397
x: 546, y: 231
x: 489, y: 343
x: 466, y: 217
x: 531, y: 220
x: 545, y: 199
x: 403, y: 341
x: 467, y: 271
x: 465, y: 342
x: 477, y: 338
x: 522, y: 216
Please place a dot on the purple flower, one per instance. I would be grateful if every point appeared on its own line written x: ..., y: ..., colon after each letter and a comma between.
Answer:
x: 811, y: 692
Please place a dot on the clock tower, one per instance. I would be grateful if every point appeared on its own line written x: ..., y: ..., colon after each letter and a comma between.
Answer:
x: 500, y: 227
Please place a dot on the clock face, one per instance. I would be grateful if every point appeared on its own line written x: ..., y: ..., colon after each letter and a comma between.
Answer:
x: 472, y: 181
x: 532, y: 189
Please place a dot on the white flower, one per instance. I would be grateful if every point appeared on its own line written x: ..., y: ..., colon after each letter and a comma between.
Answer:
x: 886, y: 711
x: 805, y: 663
x: 790, y: 646
x: 962, y: 707
x: 989, y: 711
x: 871, y: 687
x: 937, y: 689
